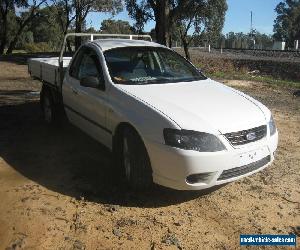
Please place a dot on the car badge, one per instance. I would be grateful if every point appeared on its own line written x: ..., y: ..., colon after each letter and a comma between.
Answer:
x: 251, y: 136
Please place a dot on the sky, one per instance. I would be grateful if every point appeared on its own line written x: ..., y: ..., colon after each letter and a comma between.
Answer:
x: 237, y: 16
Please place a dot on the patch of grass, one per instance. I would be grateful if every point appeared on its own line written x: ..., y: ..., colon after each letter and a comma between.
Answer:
x: 254, y: 78
x: 16, y: 51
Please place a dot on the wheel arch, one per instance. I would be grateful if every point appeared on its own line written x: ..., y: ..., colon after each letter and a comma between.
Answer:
x: 118, y: 131
x: 55, y: 98
x: 117, y: 149
x: 46, y: 87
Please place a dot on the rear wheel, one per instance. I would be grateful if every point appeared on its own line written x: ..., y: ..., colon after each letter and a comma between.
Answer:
x: 49, y: 110
x: 135, y: 161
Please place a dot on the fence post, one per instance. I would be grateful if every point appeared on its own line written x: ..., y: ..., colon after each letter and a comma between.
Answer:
x: 209, y: 48
x: 296, y: 44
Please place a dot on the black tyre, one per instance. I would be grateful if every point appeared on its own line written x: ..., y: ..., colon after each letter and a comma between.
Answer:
x: 49, y: 110
x: 135, y: 161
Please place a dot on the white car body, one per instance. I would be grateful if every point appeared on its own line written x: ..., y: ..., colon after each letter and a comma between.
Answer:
x: 204, y: 106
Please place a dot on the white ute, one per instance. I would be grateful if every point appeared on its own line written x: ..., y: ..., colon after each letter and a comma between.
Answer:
x: 162, y: 118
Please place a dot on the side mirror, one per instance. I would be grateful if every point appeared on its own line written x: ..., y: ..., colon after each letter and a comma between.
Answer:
x: 90, y: 81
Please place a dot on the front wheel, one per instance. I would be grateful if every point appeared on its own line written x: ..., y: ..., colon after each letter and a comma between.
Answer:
x: 135, y: 161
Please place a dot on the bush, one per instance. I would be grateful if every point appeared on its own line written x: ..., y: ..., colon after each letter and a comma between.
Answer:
x: 37, y: 47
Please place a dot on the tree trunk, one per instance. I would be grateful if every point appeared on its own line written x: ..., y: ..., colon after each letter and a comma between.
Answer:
x: 79, y: 19
x: 78, y: 28
x: 162, y: 22
x: 185, y: 42
x: 170, y: 39
x: 69, y: 46
x: 3, y: 36
x: 65, y: 22
x: 186, y: 50
x: 3, y: 31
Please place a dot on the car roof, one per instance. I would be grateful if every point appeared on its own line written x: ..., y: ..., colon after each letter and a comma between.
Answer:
x: 107, y: 44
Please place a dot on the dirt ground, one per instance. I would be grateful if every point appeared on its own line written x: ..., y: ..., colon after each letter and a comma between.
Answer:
x: 58, y: 190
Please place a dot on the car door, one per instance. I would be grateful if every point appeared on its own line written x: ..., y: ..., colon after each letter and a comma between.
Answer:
x: 86, y: 107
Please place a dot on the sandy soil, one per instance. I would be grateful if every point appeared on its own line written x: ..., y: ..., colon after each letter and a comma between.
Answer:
x: 58, y: 190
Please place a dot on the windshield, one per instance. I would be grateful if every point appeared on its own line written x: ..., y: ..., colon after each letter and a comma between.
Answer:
x: 149, y: 65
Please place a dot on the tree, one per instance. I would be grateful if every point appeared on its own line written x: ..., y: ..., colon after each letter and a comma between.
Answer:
x: 65, y: 16
x: 192, y: 18
x: 203, y: 17
x: 163, y: 12
x: 264, y: 41
x: 11, y: 29
x: 46, y: 27
x: 287, y: 22
x: 23, y: 20
x: 83, y: 7
x: 245, y: 41
x: 168, y: 14
x: 116, y: 27
x: 7, y: 14
x: 214, y: 19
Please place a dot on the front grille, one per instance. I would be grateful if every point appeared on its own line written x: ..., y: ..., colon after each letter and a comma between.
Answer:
x: 240, y: 138
x: 234, y: 172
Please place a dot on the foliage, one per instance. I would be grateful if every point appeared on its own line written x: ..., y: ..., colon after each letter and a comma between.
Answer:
x: 7, y: 19
x: 83, y: 7
x: 163, y: 12
x: 245, y: 41
x: 287, y: 23
x: 206, y: 18
x: 25, y: 38
x: 214, y: 19
x: 141, y: 12
x: 116, y: 27
x: 30, y: 8
x: 37, y: 47
x: 43, y: 28
x: 46, y: 28
x: 12, y: 26
x: 176, y: 18
x: 65, y: 13
x: 40, y: 21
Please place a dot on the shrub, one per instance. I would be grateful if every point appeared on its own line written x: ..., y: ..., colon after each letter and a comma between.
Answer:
x: 37, y: 47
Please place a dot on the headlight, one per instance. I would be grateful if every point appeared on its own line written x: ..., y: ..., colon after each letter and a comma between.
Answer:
x: 272, y: 126
x: 192, y: 140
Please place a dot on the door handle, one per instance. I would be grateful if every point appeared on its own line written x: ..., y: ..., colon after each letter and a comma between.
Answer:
x: 74, y: 91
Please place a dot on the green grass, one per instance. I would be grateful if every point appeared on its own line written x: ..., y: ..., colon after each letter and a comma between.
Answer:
x: 255, y: 78
x: 17, y: 51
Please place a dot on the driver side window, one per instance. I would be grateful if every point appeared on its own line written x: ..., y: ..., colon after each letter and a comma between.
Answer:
x: 87, y: 64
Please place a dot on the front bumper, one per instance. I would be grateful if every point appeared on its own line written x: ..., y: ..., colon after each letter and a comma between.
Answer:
x: 172, y: 167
